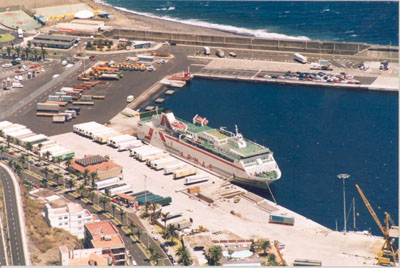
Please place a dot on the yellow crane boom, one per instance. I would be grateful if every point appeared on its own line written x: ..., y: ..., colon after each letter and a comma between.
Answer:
x: 371, y: 210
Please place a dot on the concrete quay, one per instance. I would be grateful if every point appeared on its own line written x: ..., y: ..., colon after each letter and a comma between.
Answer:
x: 247, y: 70
x: 306, y: 239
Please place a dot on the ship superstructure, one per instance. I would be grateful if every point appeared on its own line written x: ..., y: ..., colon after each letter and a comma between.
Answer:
x: 219, y: 150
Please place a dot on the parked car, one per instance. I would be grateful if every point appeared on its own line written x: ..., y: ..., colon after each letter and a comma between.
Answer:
x: 92, y: 58
x: 6, y: 65
x: 14, y: 62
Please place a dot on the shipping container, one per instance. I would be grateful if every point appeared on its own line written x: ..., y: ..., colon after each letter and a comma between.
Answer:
x: 196, y: 179
x: 67, y: 89
x: 118, y: 190
x: 76, y: 109
x: 54, y: 98
x: 154, y: 163
x: 135, y: 151
x: 171, y: 168
x: 66, y: 98
x: 102, y: 129
x: 59, y: 118
x: 78, y: 128
x: 72, y: 112
x: 281, y: 219
x: 164, y: 201
x: 86, y: 98
x: 180, y: 173
x: 47, y: 107
x: 85, y: 103
x: 157, y: 157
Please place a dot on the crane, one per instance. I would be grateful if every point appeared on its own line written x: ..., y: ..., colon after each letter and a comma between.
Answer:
x: 388, y: 254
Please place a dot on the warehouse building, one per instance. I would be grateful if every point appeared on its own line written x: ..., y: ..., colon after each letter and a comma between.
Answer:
x: 54, y: 41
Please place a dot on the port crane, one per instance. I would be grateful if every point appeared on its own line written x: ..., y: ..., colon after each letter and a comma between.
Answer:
x: 388, y: 254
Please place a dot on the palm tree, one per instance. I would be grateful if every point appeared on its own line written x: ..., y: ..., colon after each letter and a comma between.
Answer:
x: 184, y: 255
x: 47, y: 155
x: 146, y: 208
x: 122, y: 214
x: 35, y: 53
x: 265, y: 245
x: 44, y: 53
x: 40, y: 148
x: 68, y: 162
x: 113, y: 207
x: 11, y: 163
x: 44, y: 182
x: 1, y: 133
x: 170, y: 233
x: 155, y: 257
x: 17, y: 142
x: 82, y: 190
x: 9, y: 139
x: 27, y: 52
x: 46, y: 172
x: 17, y: 168
x: 8, y: 51
x: 164, y: 218
x: 18, y: 50
x: 91, y: 196
x: 85, y: 176
x: 151, y: 249
x: 104, y: 201
x: 271, y: 260
x: 131, y: 226
x: 214, y: 255
x: 138, y: 233
x: 22, y: 160
x: 29, y: 146
x: 71, y: 183
x: 57, y: 177
x: 2, y: 150
x: 94, y: 176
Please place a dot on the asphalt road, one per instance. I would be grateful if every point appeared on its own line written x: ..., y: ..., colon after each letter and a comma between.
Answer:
x: 14, y: 226
x: 133, y: 83
x: 2, y: 250
x: 133, y: 248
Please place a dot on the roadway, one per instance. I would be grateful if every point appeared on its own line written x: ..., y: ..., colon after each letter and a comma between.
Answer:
x: 134, y: 248
x: 14, y: 225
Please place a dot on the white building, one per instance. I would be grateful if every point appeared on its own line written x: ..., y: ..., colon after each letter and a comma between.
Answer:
x: 71, y: 217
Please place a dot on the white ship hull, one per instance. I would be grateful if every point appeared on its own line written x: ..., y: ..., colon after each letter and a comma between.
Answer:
x: 205, y: 159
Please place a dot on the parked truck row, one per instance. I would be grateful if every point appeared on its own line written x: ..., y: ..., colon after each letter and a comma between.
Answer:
x: 41, y: 144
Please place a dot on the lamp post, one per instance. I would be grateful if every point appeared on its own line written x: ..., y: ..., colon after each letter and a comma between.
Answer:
x: 344, y: 177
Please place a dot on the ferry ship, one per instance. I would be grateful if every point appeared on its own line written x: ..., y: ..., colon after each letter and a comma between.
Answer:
x: 218, y: 150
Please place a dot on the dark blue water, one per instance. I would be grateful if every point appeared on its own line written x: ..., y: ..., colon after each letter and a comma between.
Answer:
x: 370, y: 22
x: 315, y: 134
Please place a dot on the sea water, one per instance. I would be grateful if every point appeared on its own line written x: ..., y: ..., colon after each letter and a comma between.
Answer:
x: 315, y: 134
x: 370, y: 22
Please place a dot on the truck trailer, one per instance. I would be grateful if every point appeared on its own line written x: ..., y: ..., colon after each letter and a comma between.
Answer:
x: 171, y: 168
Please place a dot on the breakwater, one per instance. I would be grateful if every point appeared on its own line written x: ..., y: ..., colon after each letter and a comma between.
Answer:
x: 307, y: 46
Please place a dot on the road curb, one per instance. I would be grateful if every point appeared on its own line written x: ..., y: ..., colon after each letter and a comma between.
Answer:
x: 20, y: 214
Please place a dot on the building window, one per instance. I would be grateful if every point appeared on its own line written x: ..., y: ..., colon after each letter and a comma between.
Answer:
x: 65, y: 217
x: 66, y: 223
x: 60, y: 218
x: 79, y: 217
x: 60, y: 224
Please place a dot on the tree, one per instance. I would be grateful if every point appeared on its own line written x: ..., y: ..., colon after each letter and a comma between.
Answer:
x: 40, y: 148
x: 11, y: 163
x: 9, y: 52
x: 146, y: 208
x: 1, y: 133
x: 68, y: 162
x: 91, y: 196
x: 113, y: 207
x: 57, y: 177
x: 22, y: 160
x: 85, y: 176
x: 184, y: 255
x: 27, y: 51
x: 170, y: 233
x: 82, y: 190
x: 122, y: 214
x: 94, y: 177
x: 29, y: 146
x: 265, y: 245
x: 138, y: 233
x: 2, y: 150
x: 153, y: 207
x: 17, y: 142
x: 9, y: 139
x: 44, y: 182
x: 71, y: 183
x: 47, y: 155
x: 17, y: 168
x: 131, y: 226
x: 35, y: 53
x: 213, y: 255
x: 230, y: 252
x: 44, y: 53
x: 164, y: 218
x: 104, y: 201
x: 18, y: 50
x: 46, y: 172
x: 271, y: 260
x: 155, y: 257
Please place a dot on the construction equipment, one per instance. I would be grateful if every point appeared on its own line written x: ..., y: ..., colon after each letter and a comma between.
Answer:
x: 388, y: 254
x: 281, y: 260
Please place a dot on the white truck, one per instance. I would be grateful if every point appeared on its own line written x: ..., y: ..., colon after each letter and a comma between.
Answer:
x: 100, y: 185
x: 129, y: 145
x: 207, y: 51
x: 145, y: 155
x: 180, y: 173
x: 300, y: 58
x: 157, y: 157
x: 135, y: 151
x: 162, y: 163
x: 113, y: 141
x: 20, y: 33
x: 196, y: 179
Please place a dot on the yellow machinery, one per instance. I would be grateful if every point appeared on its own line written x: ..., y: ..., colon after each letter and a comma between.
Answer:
x: 388, y: 254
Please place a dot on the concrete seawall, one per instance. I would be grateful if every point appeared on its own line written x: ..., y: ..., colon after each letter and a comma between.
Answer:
x: 310, y: 46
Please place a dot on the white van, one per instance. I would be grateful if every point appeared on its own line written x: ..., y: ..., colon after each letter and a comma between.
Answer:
x: 17, y: 85
x: 130, y: 98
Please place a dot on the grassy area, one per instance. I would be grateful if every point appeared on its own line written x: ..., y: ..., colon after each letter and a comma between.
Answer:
x: 6, y: 38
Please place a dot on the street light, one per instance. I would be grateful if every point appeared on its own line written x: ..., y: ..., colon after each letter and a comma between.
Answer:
x: 344, y: 177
